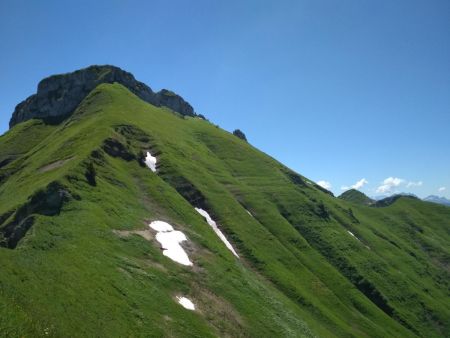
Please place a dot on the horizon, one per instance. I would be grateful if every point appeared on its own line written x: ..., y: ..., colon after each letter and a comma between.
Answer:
x: 352, y: 95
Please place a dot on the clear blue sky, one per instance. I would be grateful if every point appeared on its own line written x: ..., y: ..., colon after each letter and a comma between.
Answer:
x: 337, y: 90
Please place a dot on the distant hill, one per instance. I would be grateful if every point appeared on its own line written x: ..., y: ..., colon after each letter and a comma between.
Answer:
x: 356, y: 196
x: 437, y: 199
x: 391, y: 199
x: 382, y: 197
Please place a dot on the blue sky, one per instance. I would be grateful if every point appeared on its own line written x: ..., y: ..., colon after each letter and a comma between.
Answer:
x: 341, y: 91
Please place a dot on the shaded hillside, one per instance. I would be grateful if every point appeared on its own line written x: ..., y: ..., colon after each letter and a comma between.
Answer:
x: 392, y: 199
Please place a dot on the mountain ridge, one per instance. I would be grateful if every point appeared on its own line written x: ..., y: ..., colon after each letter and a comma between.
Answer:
x: 58, y: 95
x: 309, y: 264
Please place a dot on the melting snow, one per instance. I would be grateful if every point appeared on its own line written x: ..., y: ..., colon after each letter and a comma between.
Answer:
x: 351, y: 233
x: 161, y: 226
x: 219, y: 233
x: 170, y: 242
x: 186, y: 303
x: 150, y: 161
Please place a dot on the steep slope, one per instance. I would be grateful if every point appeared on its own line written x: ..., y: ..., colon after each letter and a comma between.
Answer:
x: 79, y: 258
x: 356, y: 196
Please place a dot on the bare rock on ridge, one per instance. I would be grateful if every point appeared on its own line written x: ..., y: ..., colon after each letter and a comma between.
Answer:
x: 57, y: 96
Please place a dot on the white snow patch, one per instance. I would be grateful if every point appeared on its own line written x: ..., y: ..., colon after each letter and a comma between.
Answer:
x: 170, y: 242
x: 150, y: 161
x: 186, y: 303
x: 161, y: 226
x: 219, y: 233
x: 351, y: 233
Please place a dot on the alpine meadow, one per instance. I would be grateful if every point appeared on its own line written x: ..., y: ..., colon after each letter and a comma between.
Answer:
x: 124, y: 213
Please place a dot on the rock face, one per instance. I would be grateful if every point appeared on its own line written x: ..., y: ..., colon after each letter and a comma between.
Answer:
x: 239, y: 133
x: 58, y: 96
x: 48, y: 201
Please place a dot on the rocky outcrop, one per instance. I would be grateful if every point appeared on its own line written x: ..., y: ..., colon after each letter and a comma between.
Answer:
x: 175, y: 102
x: 239, y: 133
x: 47, y: 202
x: 58, y: 96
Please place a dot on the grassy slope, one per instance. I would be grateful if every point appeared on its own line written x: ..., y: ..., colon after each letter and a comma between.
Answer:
x: 355, y: 196
x: 299, y: 271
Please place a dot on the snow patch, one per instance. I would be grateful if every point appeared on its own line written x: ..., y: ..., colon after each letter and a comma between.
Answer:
x: 186, y: 303
x: 170, y: 240
x: 161, y: 226
x: 219, y: 233
x: 150, y: 161
x: 351, y: 233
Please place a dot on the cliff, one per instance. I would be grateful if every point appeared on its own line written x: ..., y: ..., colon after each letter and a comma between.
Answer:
x: 57, y: 96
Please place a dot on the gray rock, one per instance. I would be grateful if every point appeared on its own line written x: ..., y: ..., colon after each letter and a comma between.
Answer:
x: 175, y: 102
x: 58, y: 96
x: 239, y: 133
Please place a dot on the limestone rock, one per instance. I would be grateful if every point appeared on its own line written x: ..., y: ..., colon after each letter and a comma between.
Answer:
x: 58, y: 96
x: 239, y: 133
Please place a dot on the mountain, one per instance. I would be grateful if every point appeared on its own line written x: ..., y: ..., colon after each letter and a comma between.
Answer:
x: 378, y: 197
x: 356, y: 196
x: 437, y: 199
x: 126, y: 218
x: 59, y: 95
x: 382, y: 197
x: 384, y: 202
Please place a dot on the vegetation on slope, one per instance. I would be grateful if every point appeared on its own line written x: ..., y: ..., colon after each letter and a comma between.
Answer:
x: 89, y: 265
x: 357, y: 197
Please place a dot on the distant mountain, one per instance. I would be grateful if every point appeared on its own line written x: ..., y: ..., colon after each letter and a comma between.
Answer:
x: 437, y: 199
x: 382, y: 197
x: 378, y: 197
x: 391, y: 199
x: 356, y: 196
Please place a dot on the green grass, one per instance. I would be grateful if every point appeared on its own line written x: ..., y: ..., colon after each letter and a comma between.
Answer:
x: 357, y: 197
x: 300, y: 272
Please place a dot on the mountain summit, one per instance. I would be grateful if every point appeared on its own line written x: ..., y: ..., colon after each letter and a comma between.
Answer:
x: 356, y: 196
x: 128, y: 219
x: 57, y: 96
